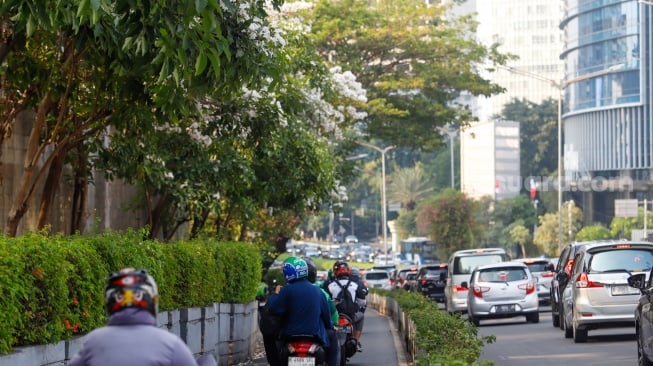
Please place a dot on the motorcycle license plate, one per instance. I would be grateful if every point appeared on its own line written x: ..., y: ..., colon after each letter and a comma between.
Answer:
x: 301, y: 361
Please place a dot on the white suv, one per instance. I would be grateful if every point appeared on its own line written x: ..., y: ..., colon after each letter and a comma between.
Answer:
x: 377, y: 279
x: 461, y: 265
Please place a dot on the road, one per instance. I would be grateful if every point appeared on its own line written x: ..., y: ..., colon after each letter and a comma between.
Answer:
x: 519, y: 343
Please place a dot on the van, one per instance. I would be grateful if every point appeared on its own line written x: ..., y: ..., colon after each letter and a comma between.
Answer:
x: 461, y: 264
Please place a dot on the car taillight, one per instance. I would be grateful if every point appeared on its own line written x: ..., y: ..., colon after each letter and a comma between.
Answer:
x: 529, y: 287
x: 547, y: 274
x: 570, y: 264
x: 460, y: 289
x: 479, y: 290
x: 582, y: 281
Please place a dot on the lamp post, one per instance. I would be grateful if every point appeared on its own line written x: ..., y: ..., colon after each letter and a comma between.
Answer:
x: 383, y: 200
x: 452, y: 133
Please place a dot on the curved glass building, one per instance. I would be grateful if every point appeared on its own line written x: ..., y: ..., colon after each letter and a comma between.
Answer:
x: 607, y: 103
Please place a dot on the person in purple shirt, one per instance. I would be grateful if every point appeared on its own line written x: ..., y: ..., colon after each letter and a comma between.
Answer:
x: 131, y: 336
x: 303, y: 305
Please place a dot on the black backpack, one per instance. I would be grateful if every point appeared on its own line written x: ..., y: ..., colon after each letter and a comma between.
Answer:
x: 345, y: 304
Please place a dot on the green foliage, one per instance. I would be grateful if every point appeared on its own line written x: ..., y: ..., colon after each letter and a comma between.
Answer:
x: 52, y: 287
x: 441, y: 339
x: 594, y: 232
x: 449, y: 220
x: 413, y: 59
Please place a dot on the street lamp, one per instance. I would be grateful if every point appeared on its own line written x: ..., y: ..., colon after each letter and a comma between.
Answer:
x: 561, y: 87
x: 452, y: 133
x: 383, y: 200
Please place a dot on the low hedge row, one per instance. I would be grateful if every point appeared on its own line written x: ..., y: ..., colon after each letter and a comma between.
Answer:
x: 441, y: 339
x: 52, y: 287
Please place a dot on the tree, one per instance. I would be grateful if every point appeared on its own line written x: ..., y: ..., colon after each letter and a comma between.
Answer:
x: 413, y: 59
x: 520, y: 236
x: 83, y: 67
x: 409, y: 186
x: 448, y: 219
x: 594, y: 232
x: 622, y: 227
x: 546, y: 236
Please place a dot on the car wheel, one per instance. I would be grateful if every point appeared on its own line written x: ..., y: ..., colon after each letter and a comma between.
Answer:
x: 642, y: 360
x: 533, y: 318
x: 563, y: 324
x: 474, y: 320
x: 580, y: 335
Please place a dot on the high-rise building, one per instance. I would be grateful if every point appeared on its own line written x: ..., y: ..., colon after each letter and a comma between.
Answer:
x: 608, y: 131
x: 529, y: 30
x: 489, y: 154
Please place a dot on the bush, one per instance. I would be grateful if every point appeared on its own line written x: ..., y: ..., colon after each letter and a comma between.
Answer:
x: 441, y: 339
x: 52, y: 287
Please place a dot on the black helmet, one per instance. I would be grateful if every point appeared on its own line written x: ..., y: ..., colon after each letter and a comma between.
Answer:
x: 312, y: 269
x: 341, y: 269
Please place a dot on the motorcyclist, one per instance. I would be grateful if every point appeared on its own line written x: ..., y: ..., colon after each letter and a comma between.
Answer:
x: 333, y: 357
x: 131, y: 336
x: 360, y: 315
x: 303, y: 305
x: 342, y: 272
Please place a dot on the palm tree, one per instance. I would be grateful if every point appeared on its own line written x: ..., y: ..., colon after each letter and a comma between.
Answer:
x: 409, y: 186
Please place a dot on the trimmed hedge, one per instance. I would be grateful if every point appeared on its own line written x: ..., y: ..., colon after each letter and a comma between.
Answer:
x: 52, y: 287
x: 441, y: 339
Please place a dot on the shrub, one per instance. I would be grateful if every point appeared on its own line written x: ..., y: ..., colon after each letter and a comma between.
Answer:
x: 52, y: 287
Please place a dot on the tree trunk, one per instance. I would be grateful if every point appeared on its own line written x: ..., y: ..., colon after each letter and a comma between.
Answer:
x: 25, y: 187
x: 155, y: 215
x: 80, y: 192
x: 198, y: 224
x: 50, y: 190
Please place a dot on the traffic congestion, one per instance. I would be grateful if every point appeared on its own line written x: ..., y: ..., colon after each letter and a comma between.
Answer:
x: 592, y: 289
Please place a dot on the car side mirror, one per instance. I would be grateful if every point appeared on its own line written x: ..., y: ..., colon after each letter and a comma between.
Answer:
x: 637, y: 281
x: 464, y: 284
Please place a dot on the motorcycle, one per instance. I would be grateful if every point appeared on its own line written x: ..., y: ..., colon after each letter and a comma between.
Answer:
x: 304, y: 350
x: 345, y: 333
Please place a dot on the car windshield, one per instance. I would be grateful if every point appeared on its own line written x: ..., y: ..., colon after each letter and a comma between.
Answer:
x: 626, y: 260
x: 411, y: 276
x: 376, y: 276
x: 466, y: 264
x: 502, y: 274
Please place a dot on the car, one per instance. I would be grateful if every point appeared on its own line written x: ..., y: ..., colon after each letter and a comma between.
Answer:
x: 643, y: 320
x: 431, y: 280
x: 460, y: 266
x: 540, y: 269
x: 564, y: 265
x: 598, y: 294
x: 351, y: 239
x: 411, y: 282
x: 502, y: 290
x: 311, y: 252
x: 377, y: 279
x: 400, y: 277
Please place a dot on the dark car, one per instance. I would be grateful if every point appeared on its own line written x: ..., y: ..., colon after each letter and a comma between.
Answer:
x: 643, y: 322
x: 431, y: 280
x: 559, y: 281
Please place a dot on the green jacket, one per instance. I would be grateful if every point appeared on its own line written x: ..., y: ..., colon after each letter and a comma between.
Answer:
x: 332, y: 306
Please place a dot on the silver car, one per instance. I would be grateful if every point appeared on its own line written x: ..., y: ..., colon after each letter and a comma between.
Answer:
x: 598, y: 295
x: 502, y: 290
x: 537, y: 266
x: 461, y: 263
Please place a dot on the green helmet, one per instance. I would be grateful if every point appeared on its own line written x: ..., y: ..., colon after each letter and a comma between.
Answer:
x: 294, y: 268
